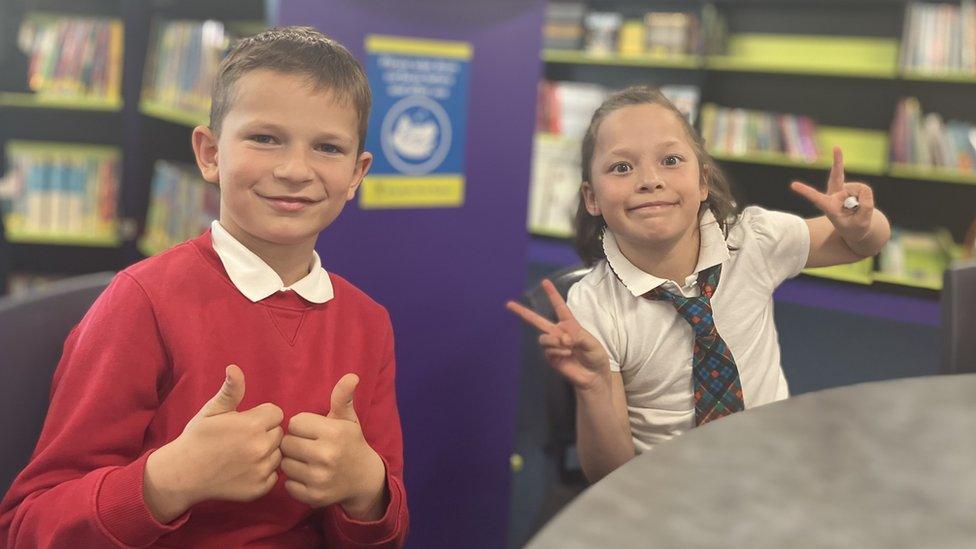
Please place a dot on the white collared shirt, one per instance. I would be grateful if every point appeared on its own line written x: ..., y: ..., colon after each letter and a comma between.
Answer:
x: 650, y: 344
x: 257, y: 280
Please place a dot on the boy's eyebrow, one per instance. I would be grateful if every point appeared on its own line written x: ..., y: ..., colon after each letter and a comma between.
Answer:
x: 271, y: 126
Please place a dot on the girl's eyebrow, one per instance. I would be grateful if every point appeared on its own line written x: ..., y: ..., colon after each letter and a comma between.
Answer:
x: 624, y: 151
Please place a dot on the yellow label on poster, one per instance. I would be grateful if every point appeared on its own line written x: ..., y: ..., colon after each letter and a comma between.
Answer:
x: 398, y: 191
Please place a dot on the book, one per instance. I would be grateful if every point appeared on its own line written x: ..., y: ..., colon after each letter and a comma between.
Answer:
x: 939, y: 38
x: 601, y: 30
x: 563, y: 25
x: 554, y: 185
x: 73, y: 57
x: 181, y: 206
x: 61, y: 192
x: 927, y: 140
x: 740, y: 132
x: 183, y: 59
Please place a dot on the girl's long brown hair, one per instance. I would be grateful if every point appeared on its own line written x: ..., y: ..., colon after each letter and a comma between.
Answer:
x: 589, y: 228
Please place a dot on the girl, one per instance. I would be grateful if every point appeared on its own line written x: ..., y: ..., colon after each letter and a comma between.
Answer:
x: 673, y: 327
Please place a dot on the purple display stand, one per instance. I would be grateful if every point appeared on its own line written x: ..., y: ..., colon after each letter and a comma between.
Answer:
x: 444, y: 274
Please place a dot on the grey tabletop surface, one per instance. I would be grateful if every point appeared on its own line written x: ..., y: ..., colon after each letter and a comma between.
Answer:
x: 886, y: 464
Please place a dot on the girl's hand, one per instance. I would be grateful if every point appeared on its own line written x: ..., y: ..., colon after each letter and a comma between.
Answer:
x: 853, y: 225
x: 569, y: 348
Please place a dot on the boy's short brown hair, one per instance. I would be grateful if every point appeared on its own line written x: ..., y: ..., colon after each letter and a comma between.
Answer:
x: 294, y: 50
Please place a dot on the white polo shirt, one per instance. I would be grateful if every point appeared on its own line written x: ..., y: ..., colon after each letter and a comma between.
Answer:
x: 257, y: 280
x: 650, y: 344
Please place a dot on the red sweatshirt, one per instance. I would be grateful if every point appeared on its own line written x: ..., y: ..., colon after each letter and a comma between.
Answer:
x: 148, y: 354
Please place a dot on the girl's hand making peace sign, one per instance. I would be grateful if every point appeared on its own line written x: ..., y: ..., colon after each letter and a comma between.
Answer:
x: 569, y: 348
x: 851, y: 227
x: 852, y: 224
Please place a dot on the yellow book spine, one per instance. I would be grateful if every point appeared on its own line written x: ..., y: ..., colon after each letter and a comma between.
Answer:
x: 116, y: 40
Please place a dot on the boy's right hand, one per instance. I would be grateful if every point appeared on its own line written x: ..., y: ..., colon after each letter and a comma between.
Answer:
x: 569, y: 348
x: 222, y: 454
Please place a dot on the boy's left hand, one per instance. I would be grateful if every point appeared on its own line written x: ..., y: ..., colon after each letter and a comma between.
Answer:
x: 853, y: 225
x: 327, y: 460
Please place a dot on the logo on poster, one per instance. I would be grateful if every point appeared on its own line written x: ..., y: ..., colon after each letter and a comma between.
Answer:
x: 416, y: 135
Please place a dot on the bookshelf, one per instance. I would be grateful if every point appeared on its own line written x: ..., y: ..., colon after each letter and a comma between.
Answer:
x: 105, y: 110
x: 645, y: 60
x: 864, y: 152
x: 850, y: 56
x: 40, y: 101
x: 844, y: 66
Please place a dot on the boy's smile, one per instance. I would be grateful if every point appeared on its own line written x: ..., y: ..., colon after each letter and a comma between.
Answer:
x: 286, y: 160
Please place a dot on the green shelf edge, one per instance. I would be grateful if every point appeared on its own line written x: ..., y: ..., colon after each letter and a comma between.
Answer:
x: 15, y: 146
x: 42, y: 101
x: 874, y: 164
x: 906, y: 171
x: 617, y: 59
x: 903, y: 281
x: 172, y: 114
x: 951, y: 77
x: 742, y: 65
x: 17, y: 237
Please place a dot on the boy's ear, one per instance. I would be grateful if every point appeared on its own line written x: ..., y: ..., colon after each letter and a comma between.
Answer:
x: 363, y: 163
x: 205, y: 149
x: 589, y: 198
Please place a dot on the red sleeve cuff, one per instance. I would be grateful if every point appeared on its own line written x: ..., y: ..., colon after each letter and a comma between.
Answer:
x: 386, y: 529
x: 122, y: 510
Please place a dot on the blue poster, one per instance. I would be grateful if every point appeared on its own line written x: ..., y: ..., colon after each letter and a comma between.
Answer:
x: 418, y: 125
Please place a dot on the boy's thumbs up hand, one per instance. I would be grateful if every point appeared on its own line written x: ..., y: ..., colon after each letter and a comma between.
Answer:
x: 342, y: 393
x: 222, y: 454
x: 327, y: 460
x: 230, y: 395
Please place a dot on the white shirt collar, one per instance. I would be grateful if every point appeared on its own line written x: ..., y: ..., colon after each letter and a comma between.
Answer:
x: 712, y: 251
x: 256, y: 280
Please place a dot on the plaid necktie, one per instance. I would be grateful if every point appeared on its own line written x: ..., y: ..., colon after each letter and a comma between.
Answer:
x: 718, y: 391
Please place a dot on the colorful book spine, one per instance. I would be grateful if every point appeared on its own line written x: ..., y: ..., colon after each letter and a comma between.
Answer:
x: 184, y: 58
x: 182, y: 205
x: 61, y: 192
x: 73, y: 57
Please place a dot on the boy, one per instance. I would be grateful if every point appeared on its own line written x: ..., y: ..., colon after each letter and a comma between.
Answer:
x: 139, y: 447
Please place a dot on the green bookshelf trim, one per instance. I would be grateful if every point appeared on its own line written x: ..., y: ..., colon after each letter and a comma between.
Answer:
x: 173, y: 114
x: 929, y: 173
x: 859, y: 272
x: 865, y: 151
x: 920, y: 75
x: 246, y: 27
x: 804, y: 54
x: 550, y: 234
x: 643, y: 60
x: 932, y: 284
x: 48, y: 101
x: 151, y: 246
x: 18, y: 236
x: 56, y: 147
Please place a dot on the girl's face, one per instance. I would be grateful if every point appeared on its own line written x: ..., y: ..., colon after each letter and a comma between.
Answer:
x: 644, y: 177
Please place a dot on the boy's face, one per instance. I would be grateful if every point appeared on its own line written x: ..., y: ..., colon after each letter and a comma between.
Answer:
x: 286, y: 160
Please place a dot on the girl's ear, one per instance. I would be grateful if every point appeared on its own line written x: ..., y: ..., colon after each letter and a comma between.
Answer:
x: 589, y: 198
x: 703, y: 187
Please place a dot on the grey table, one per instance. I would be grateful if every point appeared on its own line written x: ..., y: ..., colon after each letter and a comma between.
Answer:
x: 880, y: 465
